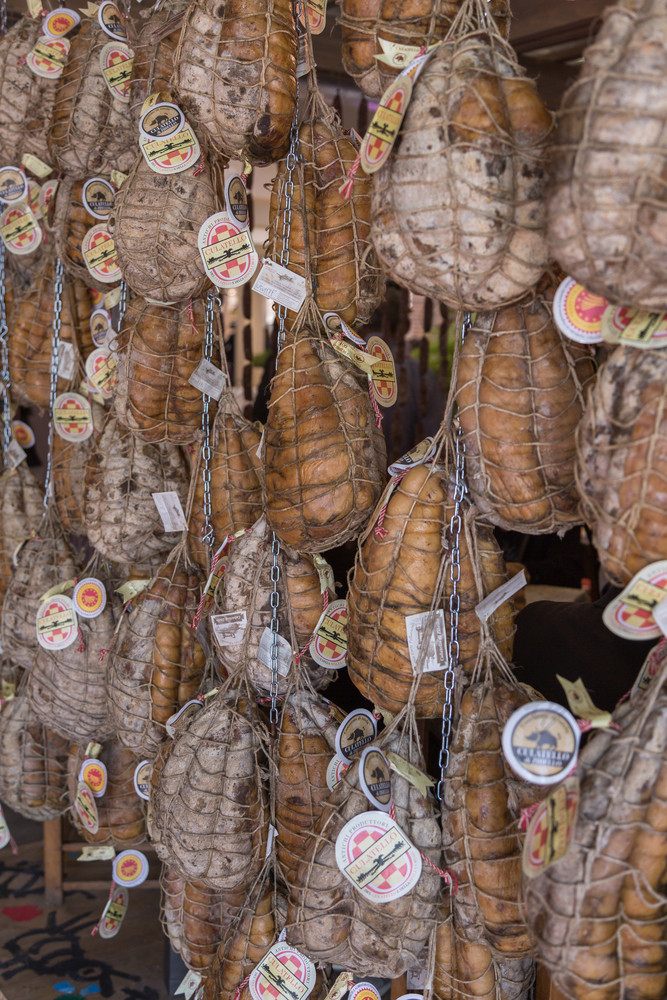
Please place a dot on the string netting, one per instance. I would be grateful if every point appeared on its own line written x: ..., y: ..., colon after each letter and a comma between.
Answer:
x: 121, y: 813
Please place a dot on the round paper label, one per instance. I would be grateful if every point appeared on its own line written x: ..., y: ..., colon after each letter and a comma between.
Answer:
x: 94, y: 774
x: 116, y: 64
x: 86, y: 808
x: 630, y: 615
x: 167, y: 141
x: 375, y: 778
x: 46, y: 194
x: 578, y: 313
x: 56, y: 623
x: 228, y: 253
x: 19, y: 229
x: 58, y: 22
x: 97, y: 196
x: 377, y: 858
x: 114, y: 912
x: 356, y: 731
x: 101, y: 371
x: 161, y: 121
x: 33, y: 198
x: 142, y: 779
x: 383, y: 379
x: 100, y: 322
x: 48, y: 57
x: 550, y: 830
x: 328, y: 647
x: 99, y: 253
x: 13, y: 185
x: 364, y: 991
x: 283, y: 974
x: 236, y: 200
x: 383, y: 129
x: 23, y: 434
x: 89, y: 597
x: 336, y: 771
x: 72, y: 417
x: 130, y: 868
x: 541, y: 742
x: 614, y: 321
x: 111, y: 21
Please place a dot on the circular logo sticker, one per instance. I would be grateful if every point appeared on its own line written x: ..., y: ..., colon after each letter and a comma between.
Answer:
x: 98, y: 195
x: 58, y: 22
x: 99, y: 253
x: 228, y: 253
x: 614, y: 321
x: 374, y: 854
x: 56, y: 623
x: 13, y: 185
x: 336, y: 770
x: 101, y: 371
x: 364, y: 991
x: 375, y: 778
x: 328, y: 647
x: 72, y: 417
x: 630, y: 615
x: 100, y: 323
x: 383, y: 379
x: 116, y: 64
x: 130, y: 868
x: 541, y: 742
x: 114, y: 912
x: 48, y: 57
x: 46, y: 194
x: 550, y: 830
x: 86, y: 808
x: 167, y: 142
x: 357, y: 729
x: 94, y: 774
x: 236, y: 200
x: 142, y: 779
x: 283, y: 974
x: 23, y: 434
x: 89, y: 597
x: 19, y: 230
x: 111, y: 21
x: 161, y: 120
x: 578, y: 313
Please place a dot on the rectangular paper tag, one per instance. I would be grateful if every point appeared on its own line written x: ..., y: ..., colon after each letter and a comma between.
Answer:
x: 229, y: 629
x: 97, y: 853
x: 35, y: 165
x: 660, y: 615
x: 66, y: 360
x: 581, y: 703
x: 261, y: 444
x: 170, y: 510
x: 282, y: 286
x: 14, y: 454
x: 435, y: 655
x: 208, y: 379
x: 112, y: 298
x: 485, y: 608
x: 189, y: 985
x: 283, y: 649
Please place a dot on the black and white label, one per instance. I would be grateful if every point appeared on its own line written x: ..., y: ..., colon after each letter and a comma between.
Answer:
x: 229, y: 629
x: 283, y: 649
x: 427, y: 641
x: 208, y: 379
x: 282, y: 286
x: 14, y: 454
x: 170, y: 510
x: 486, y: 608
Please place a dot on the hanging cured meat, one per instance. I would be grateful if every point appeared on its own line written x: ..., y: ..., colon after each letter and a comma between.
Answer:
x: 71, y: 222
x: 121, y: 813
x: 26, y: 99
x: 154, y: 36
x: 21, y: 510
x: 195, y: 918
x: 33, y: 763
x: 68, y: 466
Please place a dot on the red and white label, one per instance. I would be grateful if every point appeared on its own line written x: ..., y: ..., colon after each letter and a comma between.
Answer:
x: 374, y: 854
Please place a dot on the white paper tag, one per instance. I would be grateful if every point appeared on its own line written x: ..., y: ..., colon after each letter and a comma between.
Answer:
x: 660, y: 615
x: 416, y: 978
x: 208, y: 379
x: 260, y: 446
x: 435, y: 657
x: 93, y: 853
x: 170, y: 510
x: 485, y: 608
x: 273, y: 833
x: 282, y: 286
x: 283, y: 649
x: 66, y: 360
x: 14, y: 454
x: 189, y: 985
x: 229, y: 629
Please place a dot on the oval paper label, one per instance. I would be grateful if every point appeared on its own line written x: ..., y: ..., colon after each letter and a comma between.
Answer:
x: 72, y: 417
x: 630, y: 615
x: 46, y: 193
x: 33, y: 199
x: 383, y: 379
x: 48, y: 57
x: 328, y: 647
x: 227, y: 251
x: 283, y: 974
x: 364, y: 991
x: 89, y: 597
x: 99, y: 253
x: 142, y: 779
x: 86, y: 808
x: 374, y: 854
x: 94, y: 774
x: 60, y: 21
x: 97, y: 196
x: 337, y: 768
x: 541, y: 742
x: 23, y: 434
x: 356, y: 731
x: 236, y: 200
x: 375, y: 778
x: 167, y: 140
x: 130, y: 868
x: 20, y: 230
x: 578, y: 313
x: 383, y: 129
x: 114, y: 912
x: 110, y: 20
x: 614, y: 321
x: 13, y: 185
x: 56, y: 623
x: 101, y: 371
x: 116, y: 64
x: 550, y: 830
x: 100, y: 322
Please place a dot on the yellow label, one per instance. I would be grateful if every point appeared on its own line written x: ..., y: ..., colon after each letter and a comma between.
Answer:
x: 129, y: 590
x: 101, y: 253
x: 390, y: 847
x: 118, y: 178
x: 387, y: 716
x: 386, y: 123
x: 93, y: 749
x: 325, y: 573
x: 644, y: 595
x: 364, y: 362
x: 397, y: 55
x: 112, y: 298
x: 35, y: 165
x: 411, y: 773
x: 226, y: 250
x: 581, y: 703
x: 71, y: 415
x: 343, y: 985
x: 160, y: 97
x: 34, y: 8
x: 56, y: 620
x: 18, y: 227
x: 91, y: 10
x: 7, y: 689
x: 48, y: 51
x: 384, y: 371
x: 92, y: 853
x: 104, y: 374
x: 60, y: 588
x: 158, y: 147
x: 118, y: 74
x: 642, y: 326
x: 547, y: 841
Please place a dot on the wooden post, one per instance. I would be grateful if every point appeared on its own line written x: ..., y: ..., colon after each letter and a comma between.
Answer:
x: 399, y: 986
x: 544, y: 988
x: 53, y: 864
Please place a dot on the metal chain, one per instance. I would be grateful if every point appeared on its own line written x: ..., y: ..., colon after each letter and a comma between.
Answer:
x: 207, y: 533
x: 454, y: 597
x: 122, y: 303
x: 290, y: 164
x: 55, y: 353
x: 4, y: 360
x: 3, y: 17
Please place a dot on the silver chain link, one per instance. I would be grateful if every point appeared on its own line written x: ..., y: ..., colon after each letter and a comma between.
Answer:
x: 455, y: 524
x: 290, y: 164
x: 3, y: 17
x: 55, y: 354
x: 122, y: 303
x: 207, y: 533
x: 4, y: 359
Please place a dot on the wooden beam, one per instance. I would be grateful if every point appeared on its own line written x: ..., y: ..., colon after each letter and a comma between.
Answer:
x: 53, y: 868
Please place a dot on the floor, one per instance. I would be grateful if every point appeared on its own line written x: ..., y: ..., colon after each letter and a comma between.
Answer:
x: 50, y: 954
